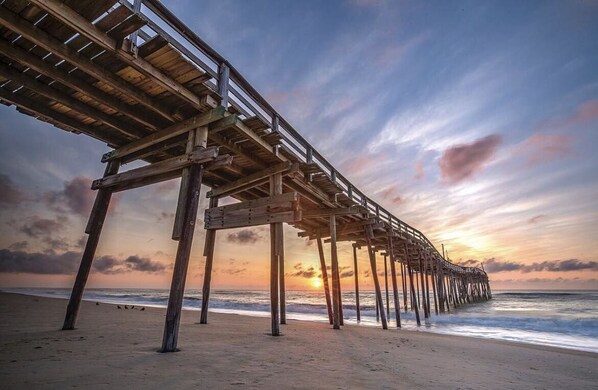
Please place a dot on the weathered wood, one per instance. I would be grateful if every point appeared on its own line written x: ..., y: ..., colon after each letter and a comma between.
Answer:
x: 356, y: 271
x: 96, y: 222
x: 165, y: 134
x: 325, y: 279
x: 176, y: 163
x: 414, y: 304
x: 311, y: 213
x: 247, y: 218
x: 72, y: 19
x: 386, y: 285
x: 336, y: 322
x: 283, y: 200
x: 52, y: 93
x: 69, y: 80
x: 51, y: 44
x: 231, y: 188
x: 207, y: 276
x: 181, y: 263
x: 395, y: 292
x: 275, y: 245
x: 380, y: 304
x: 179, y: 214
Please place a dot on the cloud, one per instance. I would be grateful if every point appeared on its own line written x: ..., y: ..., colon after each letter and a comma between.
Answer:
x: 38, y: 263
x: 468, y: 263
x: 419, y: 170
x: 112, y: 265
x: 540, y: 148
x: 306, y: 273
x: 233, y: 271
x: 494, y: 266
x: 245, y: 236
x: 462, y: 161
x: 43, y: 227
x: 67, y: 263
x: 76, y: 196
x: 10, y: 195
x: 392, y: 195
x: 586, y: 112
x: 19, y: 246
x: 537, y: 218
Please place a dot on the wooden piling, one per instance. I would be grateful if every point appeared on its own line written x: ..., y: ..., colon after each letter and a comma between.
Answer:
x: 404, y: 285
x: 177, y: 288
x: 386, y: 285
x: 325, y: 278
x: 336, y: 322
x: 275, y: 245
x: 94, y: 229
x: 393, y: 273
x: 380, y: 304
x: 357, y: 309
x: 413, y: 295
x: 207, y: 275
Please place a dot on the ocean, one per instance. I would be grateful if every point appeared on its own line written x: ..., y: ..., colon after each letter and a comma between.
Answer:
x: 566, y: 319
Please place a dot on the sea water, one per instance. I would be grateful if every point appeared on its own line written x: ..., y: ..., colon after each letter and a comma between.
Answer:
x: 566, y: 319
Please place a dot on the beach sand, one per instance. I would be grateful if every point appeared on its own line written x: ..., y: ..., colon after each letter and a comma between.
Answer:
x: 114, y: 348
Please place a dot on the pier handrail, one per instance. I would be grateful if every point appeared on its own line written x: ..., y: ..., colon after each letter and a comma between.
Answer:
x: 240, y: 94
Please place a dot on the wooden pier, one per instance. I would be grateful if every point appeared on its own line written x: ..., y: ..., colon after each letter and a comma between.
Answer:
x: 110, y: 70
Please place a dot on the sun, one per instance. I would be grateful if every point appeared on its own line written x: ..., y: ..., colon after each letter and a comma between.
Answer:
x: 316, y: 282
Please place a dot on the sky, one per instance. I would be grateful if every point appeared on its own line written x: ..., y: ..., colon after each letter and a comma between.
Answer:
x: 475, y: 122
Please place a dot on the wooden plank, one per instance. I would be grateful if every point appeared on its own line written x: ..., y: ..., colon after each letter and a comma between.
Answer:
x: 75, y: 104
x: 78, y: 23
x: 69, y: 80
x: 162, y: 135
x: 230, y: 188
x: 49, y: 43
x: 172, y: 164
x: 286, y: 198
x: 327, y: 212
x: 58, y: 119
x: 251, y: 220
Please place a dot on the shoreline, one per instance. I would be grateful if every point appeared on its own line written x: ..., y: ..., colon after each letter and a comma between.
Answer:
x: 535, y: 338
x: 112, y: 347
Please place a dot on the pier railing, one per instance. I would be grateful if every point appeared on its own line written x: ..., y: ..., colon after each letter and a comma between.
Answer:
x: 239, y: 94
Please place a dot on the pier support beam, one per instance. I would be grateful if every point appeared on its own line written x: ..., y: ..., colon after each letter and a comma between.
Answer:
x: 357, y: 308
x: 177, y: 288
x: 276, y: 245
x: 325, y: 279
x: 393, y: 272
x: 379, y: 302
x: 94, y: 229
x: 336, y: 322
x: 208, y: 252
x: 386, y: 285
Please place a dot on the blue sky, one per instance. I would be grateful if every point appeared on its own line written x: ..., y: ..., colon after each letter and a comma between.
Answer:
x: 474, y: 121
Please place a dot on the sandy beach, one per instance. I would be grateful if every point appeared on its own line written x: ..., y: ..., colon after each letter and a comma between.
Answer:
x: 115, y: 348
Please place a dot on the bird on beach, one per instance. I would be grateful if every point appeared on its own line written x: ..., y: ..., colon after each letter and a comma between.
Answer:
x: 119, y: 306
x: 97, y: 303
x: 143, y: 308
x: 126, y: 307
x: 133, y: 307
